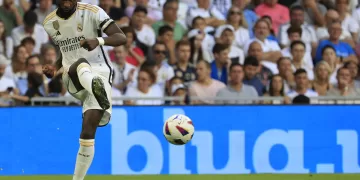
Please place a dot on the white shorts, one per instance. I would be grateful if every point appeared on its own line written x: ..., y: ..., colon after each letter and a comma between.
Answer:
x: 88, y: 99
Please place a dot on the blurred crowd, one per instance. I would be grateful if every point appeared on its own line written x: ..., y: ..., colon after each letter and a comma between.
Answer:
x: 295, y: 49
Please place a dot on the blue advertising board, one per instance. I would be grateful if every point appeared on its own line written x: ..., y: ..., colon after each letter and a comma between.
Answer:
x: 227, y: 140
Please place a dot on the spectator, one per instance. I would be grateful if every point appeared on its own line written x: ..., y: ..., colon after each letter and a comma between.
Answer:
x: 343, y: 49
x: 278, y: 13
x: 17, y: 69
x: 165, y: 71
x: 222, y: 5
x: 219, y: 67
x: 277, y: 89
x: 250, y: 16
x: 115, y: 13
x: 144, y: 33
x: 198, y: 49
x: 56, y: 88
x: 11, y: 15
x: 30, y: 29
x: 321, y: 83
x: 150, y: 17
x: 170, y: 18
x: 204, y: 87
x: 146, y: 79
x: 251, y: 67
x: 271, y: 49
x: 301, y: 99
x: 236, y: 88
x: 286, y: 72
x: 183, y: 69
x: 302, y: 86
x: 264, y: 73
x: 236, y: 19
x: 7, y: 85
x: 174, y: 81
x: 166, y: 36
x: 298, y: 61
x: 314, y: 11
x: 329, y: 56
x: 208, y: 43
x: 48, y: 54
x: 44, y: 9
x: 353, y: 67
x: 135, y: 55
x: 5, y: 42
x: 322, y: 32
x: 32, y: 64
x: 29, y: 44
x: 271, y: 36
x: 178, y: 90
x: 124, y: 71
x: 225, y: 35
x: 294, y: 34
x: 116, y: 93
x: 343, y: 87
x: 347, y: 21
x: 213, y: 17
x: 307, y: 33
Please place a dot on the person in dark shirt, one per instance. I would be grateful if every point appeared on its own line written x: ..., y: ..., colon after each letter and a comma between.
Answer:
x: 117, y: 14
x: 251, y: 66
x: 183, y: 69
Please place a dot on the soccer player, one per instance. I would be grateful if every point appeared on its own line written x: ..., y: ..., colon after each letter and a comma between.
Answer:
x: 86, y: 70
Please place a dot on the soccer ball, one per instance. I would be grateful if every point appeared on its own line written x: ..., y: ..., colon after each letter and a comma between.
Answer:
x: 178, y: 129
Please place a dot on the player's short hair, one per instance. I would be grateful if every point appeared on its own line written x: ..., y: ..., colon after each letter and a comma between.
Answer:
x: 300, y: 71
x: 129, y: 29
x: 27, y: 40
x: 30, y: 18
x: 218, y: 48
x: 182, y: 43
x: 169, y: 2
x: 164, y: 29
x: 294, y: 29
x: 251, y: 61
x: 31, y: 57
x: 294, y: 43
x: 140, y: 8
x: 233, y: 65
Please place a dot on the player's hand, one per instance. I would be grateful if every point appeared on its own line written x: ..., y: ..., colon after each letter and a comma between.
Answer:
x: 49, y: 70
x: 89, y: 44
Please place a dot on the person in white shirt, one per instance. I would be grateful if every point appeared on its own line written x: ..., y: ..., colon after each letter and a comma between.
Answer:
x: 123, y: 71
x: 32, y: 29
x: 323, y: 33
x: 199, y: 26
x: 297, y: 19
x: 165, y: 72
x: 146, y: 88
x: 237, y: 19
x: 45, y: 8
x: 302, y: 86
x: 225, y: 34
x: 298, y: 61
x: 206, y: 10
x: 144, y: 33
x: 7, y: 85
x: 347, y: 21
x: 271, y: 48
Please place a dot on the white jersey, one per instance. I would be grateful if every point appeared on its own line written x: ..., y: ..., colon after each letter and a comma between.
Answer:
x: 87, y: 22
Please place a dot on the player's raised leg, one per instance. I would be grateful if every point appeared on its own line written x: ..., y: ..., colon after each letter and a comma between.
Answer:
x: 92, y: 83
x: 86, y: 152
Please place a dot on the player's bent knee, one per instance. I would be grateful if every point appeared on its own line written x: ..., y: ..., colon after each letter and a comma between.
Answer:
x: 80, y: 63
x: 87, y: 142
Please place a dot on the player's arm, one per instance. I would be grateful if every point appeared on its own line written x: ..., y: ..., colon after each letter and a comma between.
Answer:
x: 115, y: 36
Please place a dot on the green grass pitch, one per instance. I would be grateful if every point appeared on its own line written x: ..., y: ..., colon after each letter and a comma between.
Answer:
x: 198, y: 177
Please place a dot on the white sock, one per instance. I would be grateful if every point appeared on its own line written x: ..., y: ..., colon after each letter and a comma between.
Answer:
x: 85, y: 76
x: 84, y: 158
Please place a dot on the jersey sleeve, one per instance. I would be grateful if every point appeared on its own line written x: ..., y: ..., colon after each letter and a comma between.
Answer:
x: 102, y: 20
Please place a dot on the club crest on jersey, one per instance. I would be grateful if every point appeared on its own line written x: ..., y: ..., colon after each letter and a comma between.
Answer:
x: 56, y: 25
x: 79, y: 28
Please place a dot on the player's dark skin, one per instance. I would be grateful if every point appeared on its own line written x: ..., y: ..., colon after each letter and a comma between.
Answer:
x: 116, y: 37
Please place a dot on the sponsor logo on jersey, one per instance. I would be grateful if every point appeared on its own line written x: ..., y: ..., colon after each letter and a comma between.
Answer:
x: 70, y: 44
x: 56, y: 25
